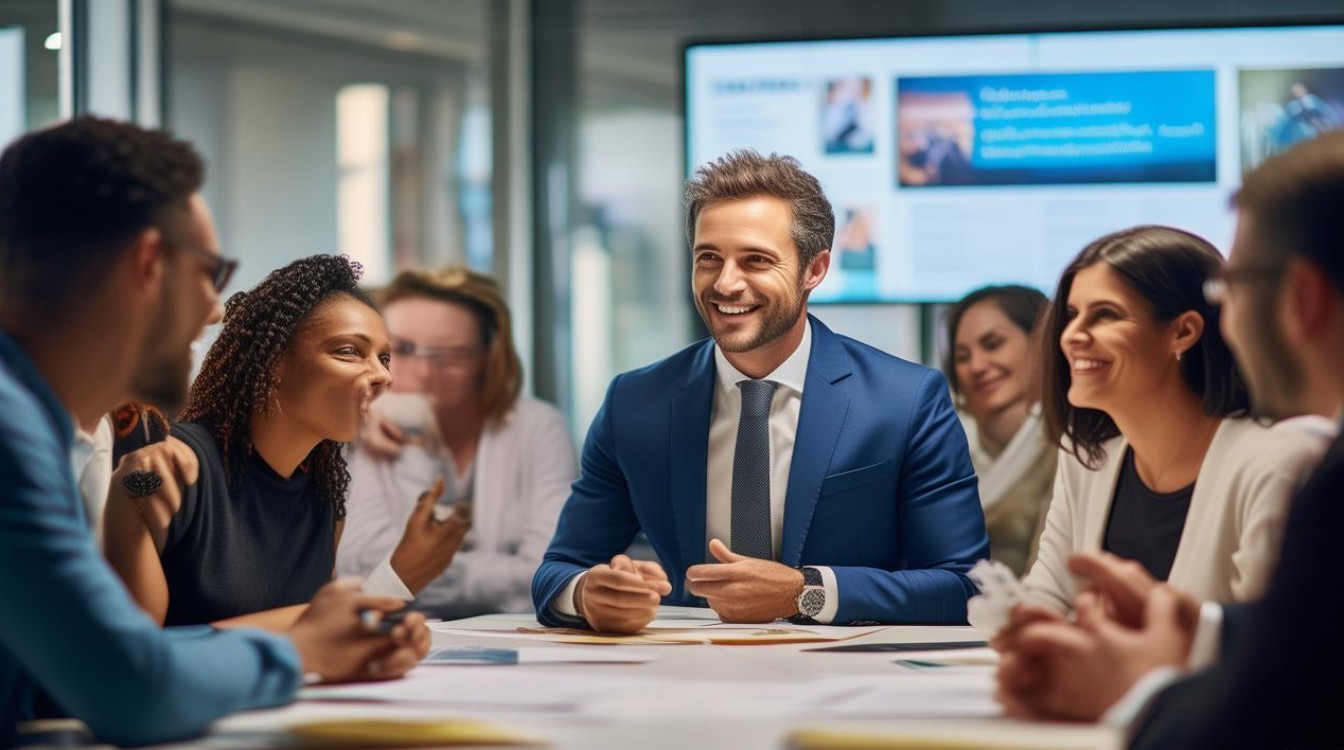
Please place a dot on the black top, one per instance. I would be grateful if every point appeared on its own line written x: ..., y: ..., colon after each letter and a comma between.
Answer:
x: 1144, y: 525
x: 260, y: 543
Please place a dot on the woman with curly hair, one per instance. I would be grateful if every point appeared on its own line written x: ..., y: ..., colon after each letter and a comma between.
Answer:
x: 240, y: 511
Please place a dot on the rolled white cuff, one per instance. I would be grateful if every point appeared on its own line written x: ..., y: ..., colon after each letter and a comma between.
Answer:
x: 828, y: 583
x: 563, y: 603
x: 1131, y: 706
x: 1208, y: 637
x: 384, y: 581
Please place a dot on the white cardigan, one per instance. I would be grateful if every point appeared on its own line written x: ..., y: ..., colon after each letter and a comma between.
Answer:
x: 1232, y: 532
x: 523, y: 468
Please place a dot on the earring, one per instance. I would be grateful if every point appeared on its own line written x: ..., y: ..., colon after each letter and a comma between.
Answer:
x: 1178, y: 356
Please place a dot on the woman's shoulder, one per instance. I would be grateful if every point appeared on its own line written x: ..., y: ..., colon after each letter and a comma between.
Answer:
x: 530, y: 414
x: 1253, y: 445
x: 200, y: 439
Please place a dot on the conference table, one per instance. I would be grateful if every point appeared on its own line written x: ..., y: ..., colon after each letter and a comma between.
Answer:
x: 704, y: 696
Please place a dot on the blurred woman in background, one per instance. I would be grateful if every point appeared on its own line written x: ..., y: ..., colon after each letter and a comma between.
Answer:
x: 455, y: 411
x: 992, y: 365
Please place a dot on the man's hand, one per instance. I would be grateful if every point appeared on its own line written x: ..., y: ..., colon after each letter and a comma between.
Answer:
x: 428, y: 546
x: 334, y: 642
x: 746, y: 589
x: 622, y: 596
x: 1124, y: 587
x: 176, y: 464
x: 1052, y: 669
x: 380, y: 437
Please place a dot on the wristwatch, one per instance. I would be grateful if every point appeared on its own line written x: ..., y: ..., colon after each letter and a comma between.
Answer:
x: 812, y: 599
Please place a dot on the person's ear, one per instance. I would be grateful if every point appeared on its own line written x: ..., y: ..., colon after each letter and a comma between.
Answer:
x: 1189, y: 326
x: 146, y: 263
x: 1306, y: 302
x: 816, y: 270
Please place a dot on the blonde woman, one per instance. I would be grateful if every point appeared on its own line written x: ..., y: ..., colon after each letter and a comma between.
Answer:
x: 454, y: 410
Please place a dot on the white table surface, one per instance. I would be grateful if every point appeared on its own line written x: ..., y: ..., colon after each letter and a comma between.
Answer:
x: 766, y: 664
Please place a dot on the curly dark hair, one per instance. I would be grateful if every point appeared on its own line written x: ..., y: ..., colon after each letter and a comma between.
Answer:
x: 237, y: 379
x: 72, y: 196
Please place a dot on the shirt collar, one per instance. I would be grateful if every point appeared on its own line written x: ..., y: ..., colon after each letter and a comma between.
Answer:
x: 790, y: 374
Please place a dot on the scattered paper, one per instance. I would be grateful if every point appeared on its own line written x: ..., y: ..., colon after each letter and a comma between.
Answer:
x: 522, y: 688
x: 967, y: 693
x: 476, y: 655
x: 1000, y: 591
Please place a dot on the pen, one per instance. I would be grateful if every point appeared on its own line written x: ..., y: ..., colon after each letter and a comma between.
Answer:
x: 378, y: 621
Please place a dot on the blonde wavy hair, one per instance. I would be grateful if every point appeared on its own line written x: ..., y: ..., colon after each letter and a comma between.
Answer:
x: 480, y: 294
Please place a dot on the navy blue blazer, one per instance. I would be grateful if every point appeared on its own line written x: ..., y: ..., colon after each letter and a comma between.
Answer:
x: 881, y: 486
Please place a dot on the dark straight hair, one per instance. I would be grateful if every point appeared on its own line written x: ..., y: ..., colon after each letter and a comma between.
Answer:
x: 1022, y: 305
x: 1168, y: 268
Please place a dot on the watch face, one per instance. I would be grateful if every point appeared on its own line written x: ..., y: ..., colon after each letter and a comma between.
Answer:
x: 812, y: 602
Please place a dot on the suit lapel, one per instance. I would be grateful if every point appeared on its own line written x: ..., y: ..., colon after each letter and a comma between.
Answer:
x: 820, y: 422
x: 689, y: 448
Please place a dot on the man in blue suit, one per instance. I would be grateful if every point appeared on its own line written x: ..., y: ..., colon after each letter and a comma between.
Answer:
x: 778, y: 469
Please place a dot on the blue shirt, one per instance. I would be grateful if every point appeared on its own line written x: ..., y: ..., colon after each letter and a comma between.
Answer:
x: 67, y: 625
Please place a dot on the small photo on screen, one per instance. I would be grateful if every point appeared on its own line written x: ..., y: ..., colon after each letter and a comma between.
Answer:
x: 1282, y: 107
x: 846, y: 116
x: 853, y: 274
x: 936, y: 132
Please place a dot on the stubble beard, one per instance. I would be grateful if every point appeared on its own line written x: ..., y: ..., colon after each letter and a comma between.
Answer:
x: 776, y: 322
x: 164, y: 365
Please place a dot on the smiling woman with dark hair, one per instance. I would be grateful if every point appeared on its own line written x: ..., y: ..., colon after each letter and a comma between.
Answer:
x: 240, y: 511
x: 1160, y: 463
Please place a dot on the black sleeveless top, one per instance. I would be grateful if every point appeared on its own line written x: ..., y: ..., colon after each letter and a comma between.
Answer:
x: 236, y: 548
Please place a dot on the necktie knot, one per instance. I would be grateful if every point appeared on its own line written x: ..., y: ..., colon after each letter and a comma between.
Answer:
x: 756, y: 396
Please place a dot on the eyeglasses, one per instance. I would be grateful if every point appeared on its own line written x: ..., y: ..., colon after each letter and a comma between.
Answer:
x: 438, y: 356
x: 219, y: 267
x: 1215, y: 289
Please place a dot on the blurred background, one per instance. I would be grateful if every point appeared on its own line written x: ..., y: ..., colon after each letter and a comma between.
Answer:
x: 541, y: 141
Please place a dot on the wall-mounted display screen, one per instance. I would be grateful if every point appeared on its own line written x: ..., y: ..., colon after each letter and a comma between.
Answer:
x: 958, y: 161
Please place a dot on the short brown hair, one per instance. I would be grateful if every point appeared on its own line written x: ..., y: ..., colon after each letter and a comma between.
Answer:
x: 1297, y: 199
x: 479, y: 294
x: 746, y: 174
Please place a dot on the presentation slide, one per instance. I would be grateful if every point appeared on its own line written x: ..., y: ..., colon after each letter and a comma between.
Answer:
x: 1057, y: 128
x: 956, y: 162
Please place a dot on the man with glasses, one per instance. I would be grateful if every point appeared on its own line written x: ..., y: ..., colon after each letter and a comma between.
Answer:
x: 1279, y: 677
x: 107, y: 274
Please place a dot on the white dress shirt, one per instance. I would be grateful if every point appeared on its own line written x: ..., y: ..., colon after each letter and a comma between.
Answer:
x: 523, y: 468
x: 91, y: 460
x: 725, y: 412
